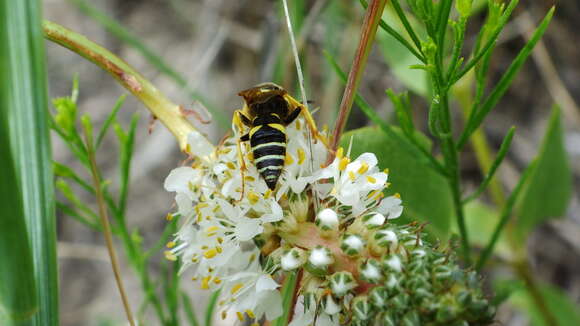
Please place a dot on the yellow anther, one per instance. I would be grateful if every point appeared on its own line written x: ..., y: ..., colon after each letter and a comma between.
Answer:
x: 249, y: 178
x: 252, y: 257
x: 268, y: 193
x: 372, y: 193
x: 211, y: 231
x: 371, y: 179
x: 340, y: 153
x: 219, y: 249
x: 220, y: 240
x: 188, y: 149
x: 194, y: 278
x: 298, y: 124
x: 210, y: 253
x: 333, y: 191
x: 224, y: 314
x: 236, y: 288
x: 363, y: 168
x: 289, y: 160
x: 169, y: 216
x: 386, y: 171
x: 170, y: 256
x: 250, y: 156
x: 351, y: 175
x: 301, y: 156
x: 194, y: 260
x: 398, y: 195
x: 250, y: 313
x: 343, y: 163
x: 217, y: 280
x: 204, y: 247
x: 231, y: 166
x: 240, y: 316
x: 170, y: 244
x: 253, y: 197
x: 387, y: 185
x: 205, y: 282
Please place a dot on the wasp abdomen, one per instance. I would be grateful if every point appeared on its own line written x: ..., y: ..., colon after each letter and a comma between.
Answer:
x: 269, y: 150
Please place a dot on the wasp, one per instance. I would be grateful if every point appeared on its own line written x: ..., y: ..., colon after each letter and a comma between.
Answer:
x: 267, y: 110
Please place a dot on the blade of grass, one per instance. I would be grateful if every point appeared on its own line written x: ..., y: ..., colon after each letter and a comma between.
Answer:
x: 503, y: 149
x: 407, y: 24
x: 123, y: 34
x: 287, y: 296
x: 368, y: 31
x: 505, y: 215
x: 23, y: 54
x: 109, y: 120
x: 210, y: 308
x: 505, y: 81
x: 189, y: 312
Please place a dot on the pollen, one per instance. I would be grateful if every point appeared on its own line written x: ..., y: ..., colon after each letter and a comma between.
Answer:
x: 363, y: 168
x: 240, y: 316
x: 386, y: 171
x: 371, y: 179
x: 253, y: 197
x: 249, y: 178
x: 236, y: 288
x: 217, y: 280
x: 301, y: 156
x: 170, y: 244
x: 169, y: 216
x: 298, y: 124
x: 351, y: 176
x: 170, y: 256
x: 211, y: 231
x: 250, y: 313
x: 340, y: 153
x: 205, y: 282
x: 211, y: 253
x: 224, y: 314
x: 220, y: 240
x: 268, y: 193
x: 289, y: 160
x: 343, y: 163
x: 398, y: 195
x: 231, y: 166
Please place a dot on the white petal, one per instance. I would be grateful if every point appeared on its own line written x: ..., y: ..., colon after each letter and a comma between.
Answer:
x: 178, y: 179
x: 199, y: 145
x: 265, y: 282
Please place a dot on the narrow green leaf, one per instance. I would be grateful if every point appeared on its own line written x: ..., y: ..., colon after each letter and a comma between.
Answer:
x: 211, y: 307
x: 123, y: 34
x: 489, y: 44
x: 406, y: 23
x: 550, y: 187
x: 506, y: 214
x: 70, y: 211
x: 125, y: 156
x: 287, y: 296
x: 403, y: 110
x: 563, y: 308
x: 25, y: 103
x: 503, y: 149
x: 425, y: 194
x: 189, y: 311
x: 502, y: 86
x: 109, y: 120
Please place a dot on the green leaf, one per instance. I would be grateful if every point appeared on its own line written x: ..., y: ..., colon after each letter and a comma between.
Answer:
x: 478, y: 114
x: 548, y: 191
x: 109, y: 120
x: 24, y: 101
x: 287, y: 295
x: 425, y: 193
x: 211, y: 307
x: 561, y: 307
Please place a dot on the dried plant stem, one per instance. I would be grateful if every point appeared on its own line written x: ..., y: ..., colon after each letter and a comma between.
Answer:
x: 107, y: 227
x: 169, y: 113
x: 369, y: 29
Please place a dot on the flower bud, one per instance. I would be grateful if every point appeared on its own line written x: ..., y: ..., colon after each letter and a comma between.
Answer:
x: 352, y: 244
x: 319, y: 260
x: 327, y: 220
x: 371, y: 271
x: 393, y: 263
x: 374, y: 221
x: 362, y: 308
x: 292, y: 259
x: 386, y: 238
x: 331, y: 307
x: 341, y: 283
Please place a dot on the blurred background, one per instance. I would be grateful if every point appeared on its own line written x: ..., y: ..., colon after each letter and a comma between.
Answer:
x: 206, y: 51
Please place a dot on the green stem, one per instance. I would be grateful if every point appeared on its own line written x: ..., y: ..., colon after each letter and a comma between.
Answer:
x: 169, y: 113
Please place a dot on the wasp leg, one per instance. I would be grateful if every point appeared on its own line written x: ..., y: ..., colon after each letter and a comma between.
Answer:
x: 309, y: 119
x: 239, y: 120
x: 292, y: 116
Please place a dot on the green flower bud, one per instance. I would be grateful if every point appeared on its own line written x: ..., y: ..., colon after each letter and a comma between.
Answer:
x: 352, y: 244
x: 341, y: 283
x: 362, y: 308
x: 371, y: 271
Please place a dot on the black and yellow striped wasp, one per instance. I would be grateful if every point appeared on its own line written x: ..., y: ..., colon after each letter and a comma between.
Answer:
x: 267, y: 110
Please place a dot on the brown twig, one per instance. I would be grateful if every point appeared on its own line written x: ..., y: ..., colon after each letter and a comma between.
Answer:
x: 106, y: 226
x: 368, y: 32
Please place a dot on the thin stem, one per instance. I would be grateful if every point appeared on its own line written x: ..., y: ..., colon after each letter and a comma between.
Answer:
x: 369, y: 30
x: 169, y: 113
x: 106, y: 226
x: 524, y: 272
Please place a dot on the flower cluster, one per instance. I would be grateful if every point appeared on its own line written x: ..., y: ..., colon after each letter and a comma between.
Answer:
x: 327, y: 223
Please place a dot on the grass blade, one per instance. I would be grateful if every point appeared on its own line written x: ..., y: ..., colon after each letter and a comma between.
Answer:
x: 211, y: 307
x: 406, y: 23
x: 503, y: 149
x: 26, y: 94
x: 287, y: 296
x: 505, y: 81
